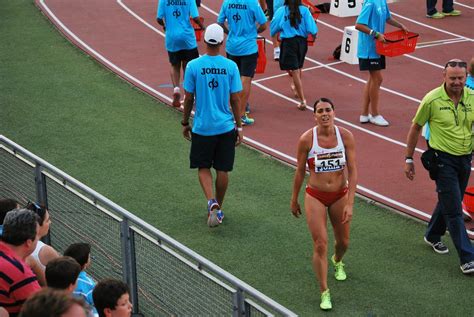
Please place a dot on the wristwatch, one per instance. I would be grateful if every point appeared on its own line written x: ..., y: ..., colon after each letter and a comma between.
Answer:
x: 184, y: 124
x: 409, y: 160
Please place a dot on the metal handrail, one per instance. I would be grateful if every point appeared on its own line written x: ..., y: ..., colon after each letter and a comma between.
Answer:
x: 203, y: 262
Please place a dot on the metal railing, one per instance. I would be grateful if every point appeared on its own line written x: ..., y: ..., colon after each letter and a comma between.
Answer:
x: 165, y: 277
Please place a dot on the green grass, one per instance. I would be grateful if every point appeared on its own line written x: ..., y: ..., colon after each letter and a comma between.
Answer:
x: 66, y: 108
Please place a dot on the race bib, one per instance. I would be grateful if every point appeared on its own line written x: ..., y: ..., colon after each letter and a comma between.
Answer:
x: 329, y: 162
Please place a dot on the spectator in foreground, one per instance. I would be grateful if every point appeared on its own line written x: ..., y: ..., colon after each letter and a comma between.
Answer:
x: 112, y: 298
x: 85, y: 284
x: 43, y: 253
x: 53, y: 303
x: 62, y: 272
x: 18, y: 240
x: 449, y: 110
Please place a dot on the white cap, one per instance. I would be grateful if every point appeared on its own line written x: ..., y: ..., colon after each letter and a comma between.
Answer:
x: 214, y: 34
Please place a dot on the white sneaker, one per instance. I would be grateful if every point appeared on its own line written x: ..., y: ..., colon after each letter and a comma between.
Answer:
x: 379, y: 120
x: 364, y: 119
x: 276, y: 53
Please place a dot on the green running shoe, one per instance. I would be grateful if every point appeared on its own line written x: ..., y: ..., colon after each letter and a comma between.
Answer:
x: 325, y: 300
x: 453, y: 13
x: 340, y: 274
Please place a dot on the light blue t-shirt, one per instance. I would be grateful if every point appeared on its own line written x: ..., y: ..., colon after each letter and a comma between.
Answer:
x: 84, y: 288
x: 374, y: 14
x: 470, y: 82
x: 277, y: 4
x: 212, y: 79
x: 1, y: 230
x: 281, y: 23
x: 179, y: 31
x: 241, y: 16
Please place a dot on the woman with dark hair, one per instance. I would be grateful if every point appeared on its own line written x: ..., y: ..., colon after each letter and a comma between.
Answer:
x: 294, y: 22
x: 43, y: 253
x: 329, y: 152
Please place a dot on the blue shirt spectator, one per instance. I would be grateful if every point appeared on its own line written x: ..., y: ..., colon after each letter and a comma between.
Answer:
x: 374, y: 14
x: 213, y: 114
x: 470, y: 82
x: 241, y: 16
x: 84, y: 288
x: 281, y: 23
x: 179, y: 31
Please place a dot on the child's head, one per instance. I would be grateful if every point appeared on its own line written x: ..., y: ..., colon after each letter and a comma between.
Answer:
x: 112, y: 299
x: 80, y: 252
x: 62, y: 273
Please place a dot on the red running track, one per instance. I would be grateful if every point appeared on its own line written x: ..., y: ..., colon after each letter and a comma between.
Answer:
x: 123, y: 36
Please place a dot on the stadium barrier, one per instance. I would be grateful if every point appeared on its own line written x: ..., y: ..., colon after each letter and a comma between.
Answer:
x: 165, y: 277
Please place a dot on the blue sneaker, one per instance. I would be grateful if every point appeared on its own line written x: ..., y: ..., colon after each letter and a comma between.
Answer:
x: 212, y: 210
x: 220, y: 216
x: 246, y: 120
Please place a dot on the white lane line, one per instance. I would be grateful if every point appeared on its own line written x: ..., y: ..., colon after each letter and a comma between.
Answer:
x: 431, y: 27
x: 286, y: 74
x: 444, y: 43
x: 464, y: 5
x: 249, y: 140
x: 136, y: 16
x: 438, y: 41
x: 424, y: 61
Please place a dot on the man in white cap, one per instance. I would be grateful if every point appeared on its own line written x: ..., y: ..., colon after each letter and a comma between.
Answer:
x: 213, y: 81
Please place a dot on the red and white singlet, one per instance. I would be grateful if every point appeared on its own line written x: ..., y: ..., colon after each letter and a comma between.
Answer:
x: 327, y: 160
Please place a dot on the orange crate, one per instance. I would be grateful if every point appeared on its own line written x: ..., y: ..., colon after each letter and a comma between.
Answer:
x: 468, y: 199
x: 312, y: 8
x: 197, y: 28
x: 398, y: 43
x: 262, y: 57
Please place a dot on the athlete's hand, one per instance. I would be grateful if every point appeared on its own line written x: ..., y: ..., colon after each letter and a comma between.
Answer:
x: 187, y: 132
x: 410, y: 171
x: 295, y: 209
x: 347, y: 214
x: 240, y: 137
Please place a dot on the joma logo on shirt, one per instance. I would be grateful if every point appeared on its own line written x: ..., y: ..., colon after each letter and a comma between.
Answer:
x: 176, y: 3
x: 444, y: 108
x: 237, y: 6
x: 214, y: 71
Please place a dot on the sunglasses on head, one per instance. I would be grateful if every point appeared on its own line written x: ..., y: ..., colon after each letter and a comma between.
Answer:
x: 454, y: 64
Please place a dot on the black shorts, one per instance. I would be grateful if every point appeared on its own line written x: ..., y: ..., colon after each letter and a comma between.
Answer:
x: 292, y: 53
x: 216, y: 151
x: 245, y: 63
x: 182, y: 56
x: 372, y: 63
